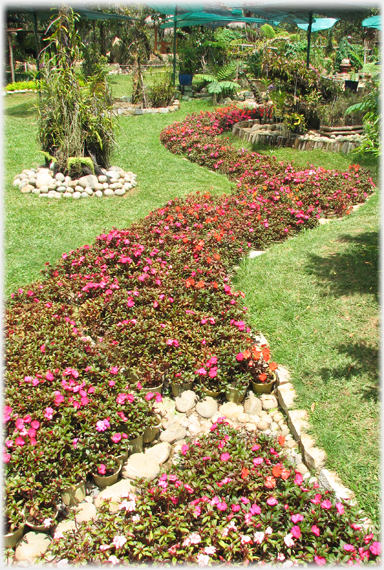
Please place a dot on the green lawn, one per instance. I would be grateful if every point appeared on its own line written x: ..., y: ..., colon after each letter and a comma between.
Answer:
x: 314, y: 296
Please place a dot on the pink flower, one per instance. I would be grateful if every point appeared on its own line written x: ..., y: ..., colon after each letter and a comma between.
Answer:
x: 288, y: 540
x: 49, y: 376
x: 102, y: 469
x: 375, y: 548
x: 340, y: 508
x: 48, y: 413
x: 317, y: 499
x: 31, y: 432
x: 222, y: 506
x: 119, y: 541
x: 224, y: 457
x: 255, y: 510
x: 149, y: 396
x: 326, y: 504
x: 315, y: 529
x: 130, y: 302
x: 116, y: 437
x: 158, y: 397
x: 114, y: 370
x: 111, y: 383
x: 272, y: 501
x: 213, y: 372
x: 236, y: 508
x: 256, y: 447
x: 245, y: 539
x: 239, y: 357
x: 258, y: 461
x: 138, y: 386
x: 244, y: 500
x: 349, y: 547
x: 320, y: 561
x: 296, y: 532
x: 35, y: 424
x: 297, y: 518
x: 19, y: 441
x: 42, y: 348
x: 298, y: 479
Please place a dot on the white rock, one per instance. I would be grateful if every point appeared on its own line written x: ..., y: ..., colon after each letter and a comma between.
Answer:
x: 78, y: 188
x: 231, y: 410
x: 114, y: 493
x: 102, y: 178
x: 252, y: 404
x: 108, y: 192
x: 173, y: 433
x: 268, y: 401
x: 65, y: 526
x: 286, y: 395
x: 185, y: 401
x: 159, y: 452
x: 76, y: 195
x: 88, y: 190
x: 243, y: 418
x: 140, y: 465
x: 119, y: 192
x: 329, y: 480
x: 99, y: 194
x: 32, y: 545
x: 207, y: 407
x: 85, y: 512
x: 84, y: 194
x: 59, y: 176
x: 88, y: 181
x: 44, y: 189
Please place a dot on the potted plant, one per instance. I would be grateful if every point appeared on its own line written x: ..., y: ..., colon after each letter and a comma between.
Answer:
x: 152, y: 429
x: 106, y: 470
x: 353, y: 81
x: 40, y: 513
x: 237, y: 386
x: 262, y: 371
x: 13, y: 520
x: 189, y: 61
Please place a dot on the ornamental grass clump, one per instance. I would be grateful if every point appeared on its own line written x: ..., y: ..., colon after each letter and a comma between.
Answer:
x: 232, y: 499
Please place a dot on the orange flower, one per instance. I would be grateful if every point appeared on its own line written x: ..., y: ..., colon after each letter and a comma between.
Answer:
x: 256, y: 353
x: 244, y: 473
x: 262, y: 377
x: 215, y: 285
x: 209, y: 260
x: 270, y: 482
x: 285, y: 474
x: 272, y: 366
x: 246, y: 354
x: 200, y: 284
x: 185, y: 240
x: 266, y: 354
x: 277, y: 470
x: 216, y: 256
x: 281, y: 439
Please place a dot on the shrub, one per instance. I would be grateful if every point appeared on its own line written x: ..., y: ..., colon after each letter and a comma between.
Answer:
x: 162, y: 91
x: 20, y: 85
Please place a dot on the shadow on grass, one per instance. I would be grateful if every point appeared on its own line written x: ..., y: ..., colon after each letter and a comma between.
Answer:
x: 355, y: 270
x: 363, y: 364
x: 23, y: 110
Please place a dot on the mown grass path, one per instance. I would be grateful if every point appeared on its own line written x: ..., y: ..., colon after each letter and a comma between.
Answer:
x: 314, y: 296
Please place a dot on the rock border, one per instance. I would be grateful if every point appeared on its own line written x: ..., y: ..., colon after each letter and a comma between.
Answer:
x: 133, y: 110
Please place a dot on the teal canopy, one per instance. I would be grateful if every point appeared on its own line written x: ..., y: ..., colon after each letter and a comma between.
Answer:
x: 372, y: 22
x: 319, y: 24
x: 203, y: 18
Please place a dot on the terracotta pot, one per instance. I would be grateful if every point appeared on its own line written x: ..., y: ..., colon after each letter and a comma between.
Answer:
x: 12, y: 538
x: 136, y: 445
x: 263, y: 387
x: 74, y: 494
x: 151, y: 433
x: 177, y: 388
x: 106, y: 480
x: 235, y: 395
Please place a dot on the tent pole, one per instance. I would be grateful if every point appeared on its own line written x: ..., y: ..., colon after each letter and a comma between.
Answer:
x: 309, y: 36
x: 174, y: 47
x: 37, y: 41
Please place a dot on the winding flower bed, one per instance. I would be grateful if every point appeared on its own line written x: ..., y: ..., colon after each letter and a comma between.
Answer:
x: 151, y: 302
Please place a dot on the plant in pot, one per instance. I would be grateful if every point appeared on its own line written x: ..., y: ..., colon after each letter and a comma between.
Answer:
x: 262, y: 371
x: 237, y: 385
x: 40, y: 512
x: 106, y: 469
x: 189, y: 61
x: 13, y: 515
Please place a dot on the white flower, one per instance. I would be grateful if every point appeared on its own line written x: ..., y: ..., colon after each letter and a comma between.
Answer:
x: 209, y: 550
x: 113, y: 560
x: 119, y: 541
x: 63, y: 562
x: 58, y: 535
x: 269, y: 530
x: 245, y: 539
x: 195, y: 538
x: 280, y: 557
x: 104, y: 547
x: 128, y: 505
x: 258, y: 537
x: 136, y: 518
x: 47, y: 523
x: 288, y: 540
x: 202, y: 559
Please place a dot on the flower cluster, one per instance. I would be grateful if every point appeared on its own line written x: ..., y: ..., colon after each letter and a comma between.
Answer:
x: 242, y: 505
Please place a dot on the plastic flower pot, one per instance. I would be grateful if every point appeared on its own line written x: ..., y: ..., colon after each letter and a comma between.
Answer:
x: 235, y: 395
x: 177, y: 388
x: 352, y: 85
x: 208, y: 392
x: 185, y: 79
x: 106, y: 480
x: 123, y: 456
x: 263, y: 387
x: 151, y: 432
x: 40, y: 527
x: 74, y: 494
x: 12, y: 538
x: 136, y: 445
x: 154, y: 389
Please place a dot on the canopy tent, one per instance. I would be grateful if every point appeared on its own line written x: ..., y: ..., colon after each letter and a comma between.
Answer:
x: 372, y: 22
x: 319, y: 24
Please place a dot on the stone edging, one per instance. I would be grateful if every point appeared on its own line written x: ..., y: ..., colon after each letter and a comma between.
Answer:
x: 277, y: 134
x: 132, y: 110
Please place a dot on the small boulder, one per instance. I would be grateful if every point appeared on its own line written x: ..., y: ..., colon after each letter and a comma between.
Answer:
x: 252, y: 405
x: 115, y: 493
x: 32, y: 545
x: 88, y: 181
x: 230, y: 410
x: 207, y: 407
x: 141, y: 465
x: 186, y: 401
x: 159, y: 452
x: 173, y: 433
x: 269, y: 401
x: 85, y: 512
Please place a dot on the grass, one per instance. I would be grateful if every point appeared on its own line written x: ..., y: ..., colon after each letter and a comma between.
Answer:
x: 314, y: 296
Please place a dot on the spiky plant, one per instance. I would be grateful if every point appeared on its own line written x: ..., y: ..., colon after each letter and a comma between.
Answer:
x: 222, y: 83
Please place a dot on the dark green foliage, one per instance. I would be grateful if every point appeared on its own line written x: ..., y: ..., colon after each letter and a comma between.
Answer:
x: 162, y: 91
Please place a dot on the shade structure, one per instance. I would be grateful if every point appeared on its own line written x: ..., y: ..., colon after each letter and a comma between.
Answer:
x: 372, y: 22
x: 202, y: 18
x: 319, y: 24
